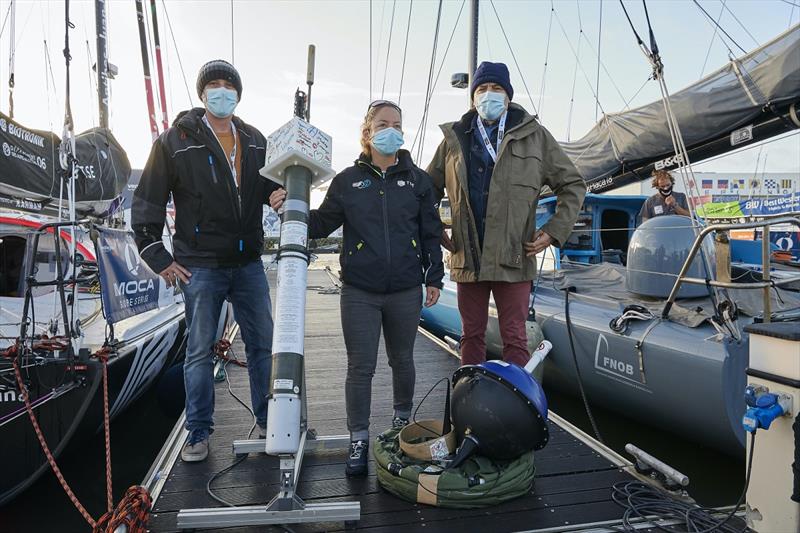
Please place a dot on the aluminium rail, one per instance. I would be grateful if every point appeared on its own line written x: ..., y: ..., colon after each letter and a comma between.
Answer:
x: 766, y: 282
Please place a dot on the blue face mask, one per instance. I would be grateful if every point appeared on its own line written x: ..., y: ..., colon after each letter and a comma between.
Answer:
x: 387, y: 141
x: 490, y: 105
x: 221, y: 102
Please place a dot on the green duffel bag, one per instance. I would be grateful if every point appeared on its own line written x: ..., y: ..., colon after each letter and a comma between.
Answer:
x: 478, y: 482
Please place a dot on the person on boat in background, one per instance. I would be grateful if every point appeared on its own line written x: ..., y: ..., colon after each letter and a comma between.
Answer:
x: 391, y: 249
x: 665, y: 201
x: 209, y: 162
x: 494, y: 163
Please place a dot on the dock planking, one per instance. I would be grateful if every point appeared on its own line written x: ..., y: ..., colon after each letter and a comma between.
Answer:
x: 571, y: 487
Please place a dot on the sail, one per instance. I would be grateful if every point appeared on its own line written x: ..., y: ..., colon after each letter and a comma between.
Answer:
x: 31, y: 176
x: 751, y: 98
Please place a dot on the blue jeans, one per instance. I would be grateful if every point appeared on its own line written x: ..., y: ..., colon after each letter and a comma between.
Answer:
x: 247, y: 289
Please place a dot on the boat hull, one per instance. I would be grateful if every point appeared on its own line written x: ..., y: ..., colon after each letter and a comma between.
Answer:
x: 684, y: 382
x: 77, y: 414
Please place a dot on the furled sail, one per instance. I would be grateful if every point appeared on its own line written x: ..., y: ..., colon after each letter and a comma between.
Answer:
x: 752, y: 98
x: 31, y: 176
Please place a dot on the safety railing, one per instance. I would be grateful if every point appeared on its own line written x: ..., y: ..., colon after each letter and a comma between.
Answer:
x: 766, y: 282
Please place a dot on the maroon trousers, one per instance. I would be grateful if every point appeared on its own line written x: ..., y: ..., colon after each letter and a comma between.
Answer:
x: 511, y: 300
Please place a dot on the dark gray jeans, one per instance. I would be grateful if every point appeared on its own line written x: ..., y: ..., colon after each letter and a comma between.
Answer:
x: 363, y: 314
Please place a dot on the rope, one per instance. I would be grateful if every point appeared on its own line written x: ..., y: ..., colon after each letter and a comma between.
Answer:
x: 514, y: 57
x: 388, y: 48
x: 102, y: 355
x: 133, y: 511
x: 405, y: 51
x: 221, y: 349
x: 134, y: 508
x: 46, y: 448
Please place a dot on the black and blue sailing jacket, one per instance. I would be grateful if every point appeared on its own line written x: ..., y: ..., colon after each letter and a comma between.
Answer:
x: 392, y: 229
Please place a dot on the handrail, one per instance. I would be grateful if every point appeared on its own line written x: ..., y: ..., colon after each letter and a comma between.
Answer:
x: 765, y: 284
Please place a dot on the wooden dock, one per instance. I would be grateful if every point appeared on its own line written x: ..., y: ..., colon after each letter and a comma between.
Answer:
x: 571, y: 491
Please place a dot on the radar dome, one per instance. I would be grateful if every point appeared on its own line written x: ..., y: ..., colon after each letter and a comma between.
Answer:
x: 656, y: 253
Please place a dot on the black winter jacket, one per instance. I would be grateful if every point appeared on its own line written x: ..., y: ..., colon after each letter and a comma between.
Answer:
x: 214, y: 225
x: 392, y: 228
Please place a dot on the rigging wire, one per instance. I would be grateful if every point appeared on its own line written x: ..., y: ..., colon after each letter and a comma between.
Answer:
x: 11, y: 57
x: 177, y: 52
x: 380, y: 37
x: 514, y: 57
x: 546, y: 58
x: 429, y: 96
x: 388, y: 48
x: 370, y: 51
x: 718, y: 26
x: 740, y: 23
x: 428, y: 91
x: 599, y: 36
x: 233, y: 44
x: 572, y: 49
x: 485, y: 32
x: 405, y: 52
x: 575, y: 73
x: 605, y: 69
x: 713, y: 36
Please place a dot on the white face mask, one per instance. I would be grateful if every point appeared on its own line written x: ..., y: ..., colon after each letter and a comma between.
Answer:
x: 490, y: 105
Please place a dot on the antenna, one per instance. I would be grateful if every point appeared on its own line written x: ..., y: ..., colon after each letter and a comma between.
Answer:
x: 312, y: 52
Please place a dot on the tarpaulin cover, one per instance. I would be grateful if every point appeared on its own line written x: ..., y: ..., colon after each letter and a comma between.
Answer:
x: 725, y: 100
x: 31, y: 175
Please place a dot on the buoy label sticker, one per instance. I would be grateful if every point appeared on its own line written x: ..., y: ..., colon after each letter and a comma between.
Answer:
x: 283, y: 384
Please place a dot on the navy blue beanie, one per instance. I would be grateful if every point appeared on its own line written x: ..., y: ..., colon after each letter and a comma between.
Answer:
x: 492, y: 73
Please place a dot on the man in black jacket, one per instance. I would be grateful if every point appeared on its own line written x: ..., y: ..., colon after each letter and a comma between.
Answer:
x: 209, y: 162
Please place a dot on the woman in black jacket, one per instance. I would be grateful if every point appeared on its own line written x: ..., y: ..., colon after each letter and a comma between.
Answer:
x: 390, y: 250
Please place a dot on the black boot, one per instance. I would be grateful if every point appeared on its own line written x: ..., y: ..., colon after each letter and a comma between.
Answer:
x: 356, y: 464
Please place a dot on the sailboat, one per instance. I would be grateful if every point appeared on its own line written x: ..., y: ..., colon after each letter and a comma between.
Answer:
x: 626, y: 333
x: 75, y: 296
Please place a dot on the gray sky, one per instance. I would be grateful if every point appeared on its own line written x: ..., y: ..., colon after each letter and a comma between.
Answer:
x: 270, y: 40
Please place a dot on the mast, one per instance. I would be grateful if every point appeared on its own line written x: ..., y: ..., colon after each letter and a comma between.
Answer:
x: 162, y: 94
x: 148, y: 84
x: 102, y: 61
x: 474, y: 14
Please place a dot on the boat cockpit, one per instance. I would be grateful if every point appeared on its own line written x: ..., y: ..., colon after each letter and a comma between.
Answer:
x: 16, y: 252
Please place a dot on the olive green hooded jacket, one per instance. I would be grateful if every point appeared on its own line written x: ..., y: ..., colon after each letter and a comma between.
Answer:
x: 529, y: 160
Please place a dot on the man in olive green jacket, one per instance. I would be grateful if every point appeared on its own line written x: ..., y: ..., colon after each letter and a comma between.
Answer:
x: 494, y: 163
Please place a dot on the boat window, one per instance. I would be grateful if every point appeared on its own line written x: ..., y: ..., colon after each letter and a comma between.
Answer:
x: 12, y: 256
x: 15, y: 251
x: 615, y: 234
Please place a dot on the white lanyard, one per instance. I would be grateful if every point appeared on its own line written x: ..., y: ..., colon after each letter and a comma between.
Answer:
x: 500, y: 132
x: 232, y: 156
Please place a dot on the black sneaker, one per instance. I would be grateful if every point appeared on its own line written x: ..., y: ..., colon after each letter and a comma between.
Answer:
x: 399, y: 422
x: 356, y: 464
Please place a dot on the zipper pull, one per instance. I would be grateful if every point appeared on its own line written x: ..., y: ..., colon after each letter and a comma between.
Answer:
x: 241, y: 245
x: 213, y: 168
